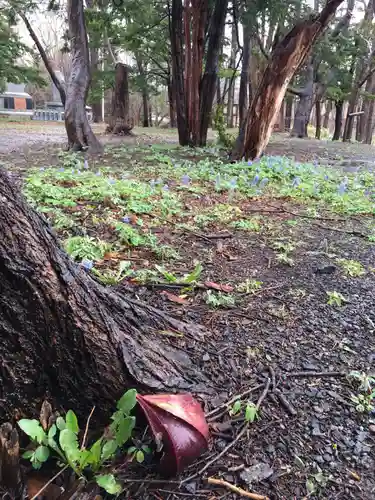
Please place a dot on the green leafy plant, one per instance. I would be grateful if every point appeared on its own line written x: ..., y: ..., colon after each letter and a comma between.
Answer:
x: 224, y: 138
x: 61, y: 441
x: 250, y: 410
x: 129, y: 235
x: 113, y: 277
x: 187, y: 279
x: 249, y: 286
x: 335, y: 299
x: 246, y: 225
x: 366, y: 394
x: 352, y: 268
x: 363, y: 402
x: 284, y: 251
x: 86, y: 247
x: 219, y: 299
x: 138, y: 452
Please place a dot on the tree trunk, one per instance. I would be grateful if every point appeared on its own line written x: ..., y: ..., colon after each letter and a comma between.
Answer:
x: 145, y: 98
x: 67, y: 338
x: 318, y: 115
x: 119, y: 121
x: 232, y: 79
x: 172, y: 104
x: 208, y: 82
x: 288, y: 112
x: 97, y: 111
x: 369, y: 115
x: 243, y: 102
x: 327, y: 113
x: 338, y: 120
x: 176, y: 36
x: 80, y: 135
x: 282, y: 117
x: 285, y: 60
x: 349, y: 122
x: 303, y: 109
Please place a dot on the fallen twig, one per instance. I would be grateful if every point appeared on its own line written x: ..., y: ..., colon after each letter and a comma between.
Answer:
x: 315, y: 374
x: 49, y: 482
x: 87, y: 428
x: 328, y: 228
x: 285, y: 403
x: 233, y: 399
x: 273, y: 377
x: 235, y: 489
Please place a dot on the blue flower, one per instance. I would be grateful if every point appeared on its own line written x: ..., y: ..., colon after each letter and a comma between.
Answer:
x: 263, y: 183
x: 255, y: 180
x: 185, y: 180
x: 342, y: 188
x: 78, y: 172
x: 152, y: 183
x: 98, y: 173
x: 165, y: 187
x: 87, y: 264
x: 111, y: 181
x: 126, y: 219
x: 326, y: 177
x: 61, y: 169
x: 233, y: 182
x: 42, y: 168
x: 249, y: 163
x: 86, y: 164
x: 296, y: 182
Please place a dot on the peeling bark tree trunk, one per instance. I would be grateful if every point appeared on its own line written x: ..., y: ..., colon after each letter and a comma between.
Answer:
x: 67, y: 338
x: 338, y: 120
x: 285, y: 60
x: 80, y: 135
x: 119, y: 121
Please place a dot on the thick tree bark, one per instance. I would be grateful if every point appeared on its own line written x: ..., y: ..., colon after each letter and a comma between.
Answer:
x: 338, y: 120
x: 243, y: 101
x: 119, y: 122
x: 285, y: 60
x: 208, y: 82
x: 80, y: 134
x: 172, y: 104
x: 369, y: 115
x: 67, y: 338
x: 176, y: 36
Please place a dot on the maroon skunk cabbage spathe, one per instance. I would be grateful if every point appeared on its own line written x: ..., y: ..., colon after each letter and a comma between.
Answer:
x: 178, y: 422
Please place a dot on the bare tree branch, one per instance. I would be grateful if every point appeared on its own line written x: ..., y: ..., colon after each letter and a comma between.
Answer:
x: 59, y: 85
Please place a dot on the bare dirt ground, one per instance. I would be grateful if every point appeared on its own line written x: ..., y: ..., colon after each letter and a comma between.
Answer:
x: 310, y: 442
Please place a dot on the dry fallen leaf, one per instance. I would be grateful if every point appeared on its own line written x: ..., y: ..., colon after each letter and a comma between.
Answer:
x: 175, y: 298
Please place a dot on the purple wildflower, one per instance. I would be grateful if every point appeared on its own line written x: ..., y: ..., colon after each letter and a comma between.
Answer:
x: 61, y: 169
x: 165, y: 187
x: 86, y: 164
x: 326, y: 177
x: 342, y: 188
x: 111, y: 181
x: 249, y: 163
x: 255, y: 180
x: 263, y: 183
x: 41, y: 169
x: 87, y: 264
x: 98, y: 173
x: 126, y: 219
x: 78, y: 172
x: 185, y: 180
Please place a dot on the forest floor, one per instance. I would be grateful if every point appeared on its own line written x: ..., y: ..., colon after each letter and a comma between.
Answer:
x: 280, y: 255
